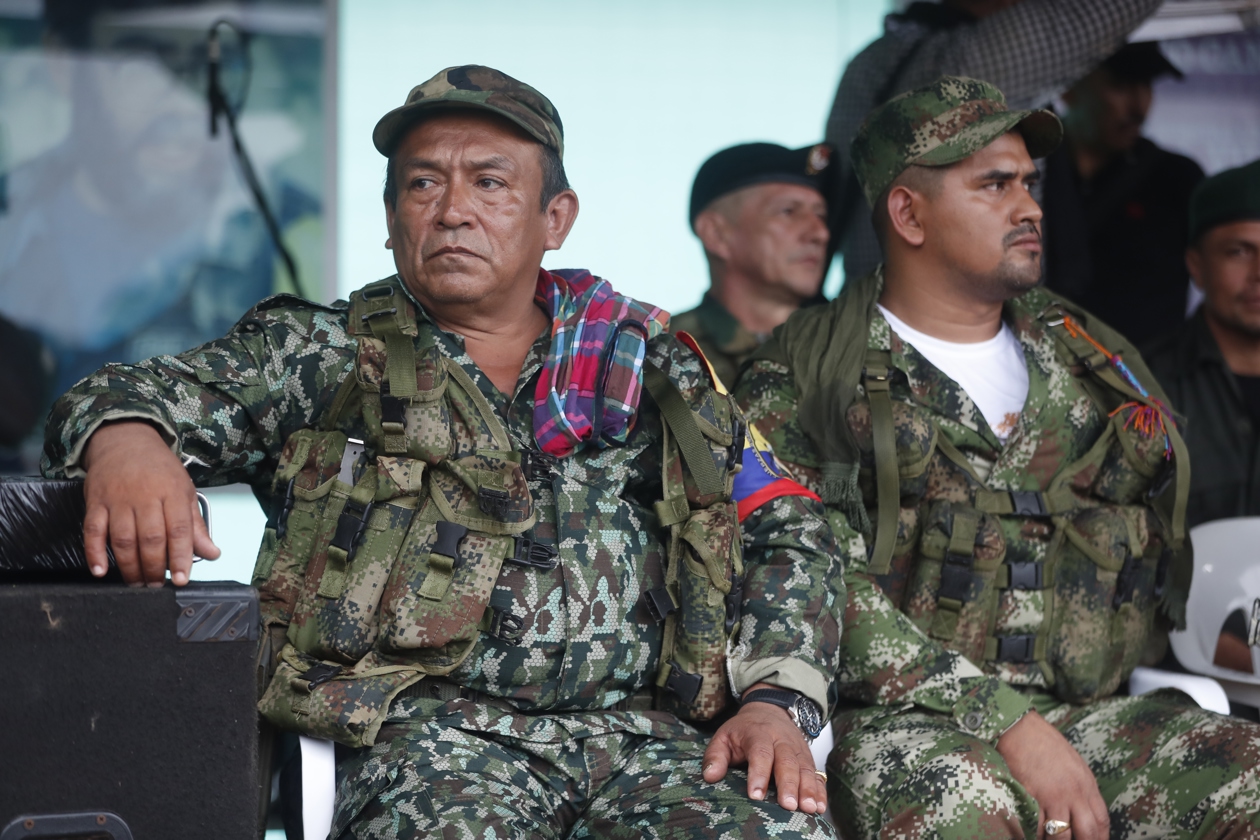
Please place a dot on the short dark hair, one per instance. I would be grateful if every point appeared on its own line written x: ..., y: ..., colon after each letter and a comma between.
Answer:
x: 921, y: 179
x: 554, y: 179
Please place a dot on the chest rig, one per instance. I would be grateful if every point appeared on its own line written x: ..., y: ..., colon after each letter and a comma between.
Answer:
x: 384, y: 551
x: 1059, y: 586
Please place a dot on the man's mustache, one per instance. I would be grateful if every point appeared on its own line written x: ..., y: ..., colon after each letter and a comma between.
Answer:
x: 1020, y: 233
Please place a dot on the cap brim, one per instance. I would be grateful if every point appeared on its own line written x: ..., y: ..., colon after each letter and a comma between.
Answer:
x: 1042, y: 132
x: 389, y: 128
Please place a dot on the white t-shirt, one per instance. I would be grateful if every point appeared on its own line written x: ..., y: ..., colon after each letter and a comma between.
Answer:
x: 993, y: 373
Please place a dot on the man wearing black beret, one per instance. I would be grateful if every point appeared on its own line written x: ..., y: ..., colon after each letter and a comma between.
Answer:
x: 760, y: 213
x: 1211, y: 366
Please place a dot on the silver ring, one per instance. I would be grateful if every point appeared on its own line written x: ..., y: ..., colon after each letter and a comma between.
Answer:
x: 1054, y: 827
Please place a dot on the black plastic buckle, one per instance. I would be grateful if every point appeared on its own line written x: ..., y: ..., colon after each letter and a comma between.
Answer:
x: 494, y: 502
x: 957, y: 580
x: 367, y: 316
x: 448, y: 536
x: 735, y: 455
x: 375, y: 292
x: 1017, y: 649
x: 1029, y: 503
x: 536, y: 555
x: 350, y: 526
x: 537, y: 465
x: 506, y: 626
x: 1027, y: 576
x: 734, y: 604
x: 393, y: 412
x: 320, y: 673
x: 685, y: 686
x: 286, y: 507
x: 1126, y: 582
x: 659, y: 604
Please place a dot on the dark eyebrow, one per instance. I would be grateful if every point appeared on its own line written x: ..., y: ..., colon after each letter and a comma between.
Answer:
x: 493, y: 162
x: 998, y: 175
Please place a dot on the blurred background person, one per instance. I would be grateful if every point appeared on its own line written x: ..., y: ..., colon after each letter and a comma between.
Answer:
x: 1031, y: 50
x: 1211, y: 366
x: 1117, y: 205
x: 760, y: 213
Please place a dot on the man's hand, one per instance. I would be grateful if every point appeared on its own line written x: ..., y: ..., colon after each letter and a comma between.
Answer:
x: 140, y: 499
x: 1043, y: 761
x: 764, y: 736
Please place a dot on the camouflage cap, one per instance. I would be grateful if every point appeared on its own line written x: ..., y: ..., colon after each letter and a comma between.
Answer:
x: 942, y: 123
x: 474, y: 86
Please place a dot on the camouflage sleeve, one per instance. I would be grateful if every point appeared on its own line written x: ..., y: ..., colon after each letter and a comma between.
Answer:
x: 793, y: 600
x: 884, y: 658
x: 793, y: 577
x: 225, y: 407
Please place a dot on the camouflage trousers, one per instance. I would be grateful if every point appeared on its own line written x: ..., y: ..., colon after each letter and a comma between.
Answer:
x: 1165, y: 768
x: 435, y: 779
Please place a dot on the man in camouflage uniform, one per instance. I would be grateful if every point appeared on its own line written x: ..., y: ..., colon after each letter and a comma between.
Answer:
x: 760, y: 212
x: 1006, y: 570
x: 542, y: 721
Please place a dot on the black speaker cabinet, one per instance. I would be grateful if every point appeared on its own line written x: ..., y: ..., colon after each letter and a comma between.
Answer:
x: 133, y: 704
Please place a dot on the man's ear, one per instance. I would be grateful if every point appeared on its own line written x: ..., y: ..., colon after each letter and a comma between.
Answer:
x: 389, y: 225
x: 562, y: 212
x: 1194, y: 264
x: 904, y: 216
x: 712, y: 229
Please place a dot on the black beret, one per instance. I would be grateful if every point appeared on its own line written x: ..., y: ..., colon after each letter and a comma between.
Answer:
x: 761, y: 163
x: 1142, y: 61
x: 1229, y: 196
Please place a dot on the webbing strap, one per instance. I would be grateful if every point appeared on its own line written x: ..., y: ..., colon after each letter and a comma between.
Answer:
x: 875, y: 379
x: 682, y: 422
x: 487, y: 412
x: 956, y: 575
x: 382, y: 315
x: 351, y: 522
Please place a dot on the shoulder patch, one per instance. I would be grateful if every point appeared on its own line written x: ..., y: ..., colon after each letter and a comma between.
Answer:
x: 760, y: 481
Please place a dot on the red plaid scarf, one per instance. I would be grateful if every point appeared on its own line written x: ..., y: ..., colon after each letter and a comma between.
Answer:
x: 591, y: 382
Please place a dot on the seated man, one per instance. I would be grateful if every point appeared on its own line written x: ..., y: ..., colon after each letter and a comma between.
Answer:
x: 1024, y: 491
x: 760, y: 213
x: 1211, y: 366
x: 488, y: 572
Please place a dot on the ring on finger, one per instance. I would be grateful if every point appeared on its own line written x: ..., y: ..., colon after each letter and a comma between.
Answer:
x: 1054, y: 827
x: 822, y: 774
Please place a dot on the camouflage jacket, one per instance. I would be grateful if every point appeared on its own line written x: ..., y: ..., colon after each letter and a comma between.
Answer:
x: 889, y: 654
x: 724, y: 340
x: 228, y: 407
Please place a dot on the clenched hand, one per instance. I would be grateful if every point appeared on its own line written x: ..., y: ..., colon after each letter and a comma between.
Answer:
x: 141, y: 500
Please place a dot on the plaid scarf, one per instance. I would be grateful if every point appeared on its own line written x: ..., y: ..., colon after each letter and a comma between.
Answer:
x: 591, y: 382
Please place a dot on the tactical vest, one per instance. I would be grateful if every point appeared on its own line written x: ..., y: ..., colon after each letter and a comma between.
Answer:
x: 1085, y: 566
x: 381, y: 556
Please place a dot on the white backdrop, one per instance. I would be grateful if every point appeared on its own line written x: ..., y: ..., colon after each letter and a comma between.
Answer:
x: 647, y: 91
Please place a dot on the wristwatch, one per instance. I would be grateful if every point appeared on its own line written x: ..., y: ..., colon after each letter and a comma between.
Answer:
x: 805, y: 712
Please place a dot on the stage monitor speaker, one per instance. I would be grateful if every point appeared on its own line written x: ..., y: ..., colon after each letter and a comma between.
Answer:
x: 135, y: 703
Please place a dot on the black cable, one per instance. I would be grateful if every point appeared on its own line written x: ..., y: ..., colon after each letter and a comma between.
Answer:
x: 219, y: 105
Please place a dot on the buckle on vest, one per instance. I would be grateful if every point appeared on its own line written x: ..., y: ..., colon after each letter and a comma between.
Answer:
x: 957, y: 580
x: 735, y: 455
x: 286, y: 507
x: 536, y: 555
x: 350, y: 526
x: 1029, y: 503
x: 537, y: 465
x: 506, y: 626
x: 494, y: 502
x: 320, y: 673
x: 686, y: 686
x: 374, y: 292
x: 448, y: 536
x: 1126, y: 582
x: 367, y: 316
x: 1017, y: 649
x: 734, y: 604
x: 659, y: 603
x: 393, y: 413
x: 1026, y: 576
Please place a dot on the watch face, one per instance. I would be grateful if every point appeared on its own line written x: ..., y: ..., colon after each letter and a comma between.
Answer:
x: 808, y: 718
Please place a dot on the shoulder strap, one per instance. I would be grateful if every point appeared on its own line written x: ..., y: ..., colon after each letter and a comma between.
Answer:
x: 682, y: 423
x: 875, y: 379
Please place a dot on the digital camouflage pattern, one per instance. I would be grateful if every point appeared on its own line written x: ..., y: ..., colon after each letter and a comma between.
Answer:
x: 433, y: 775
x: 474, y: 86
x: 1165, y: 768
x: 232, y: 408
x: 916, y: 667
x: 724, y: 340
x: 939, y: 124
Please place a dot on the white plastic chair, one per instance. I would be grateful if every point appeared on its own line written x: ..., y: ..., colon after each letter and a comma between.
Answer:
x: 1226, y: 578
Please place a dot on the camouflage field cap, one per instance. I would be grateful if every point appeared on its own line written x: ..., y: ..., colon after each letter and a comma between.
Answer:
x: 474, y: 86
x: 942, y: 123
